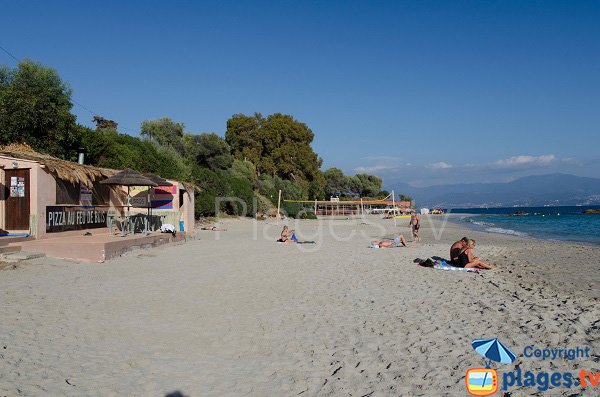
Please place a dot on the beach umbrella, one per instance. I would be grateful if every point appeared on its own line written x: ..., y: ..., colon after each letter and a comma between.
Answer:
x: 493, y: 350
x: 157, y: 179
x: 128, y: 177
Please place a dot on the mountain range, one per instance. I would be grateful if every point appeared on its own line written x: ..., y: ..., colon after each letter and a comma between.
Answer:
x: 529, y: 191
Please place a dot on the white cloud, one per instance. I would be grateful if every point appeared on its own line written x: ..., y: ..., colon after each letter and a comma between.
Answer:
x: 374, y: 168
x: 439, y: 166
x: 522, y: 162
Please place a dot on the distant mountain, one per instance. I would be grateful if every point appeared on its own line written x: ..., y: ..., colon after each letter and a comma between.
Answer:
x: 536, y: 190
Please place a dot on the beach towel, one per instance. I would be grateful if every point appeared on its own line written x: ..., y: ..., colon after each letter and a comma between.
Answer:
x: 443, y: 265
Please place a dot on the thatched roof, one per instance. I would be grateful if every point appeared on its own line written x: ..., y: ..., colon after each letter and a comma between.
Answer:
x: 66, y: 170
x: 157, y: 179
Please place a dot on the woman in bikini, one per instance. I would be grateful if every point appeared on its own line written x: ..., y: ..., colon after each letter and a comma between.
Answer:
x: 468, y: 260
x: 288, y: 236
x: 398, y: 241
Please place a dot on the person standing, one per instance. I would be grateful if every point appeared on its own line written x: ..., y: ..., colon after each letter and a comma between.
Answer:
x: 415, y: 225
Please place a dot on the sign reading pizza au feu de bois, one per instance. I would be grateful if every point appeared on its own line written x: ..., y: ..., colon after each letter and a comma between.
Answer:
x: 62, y: 218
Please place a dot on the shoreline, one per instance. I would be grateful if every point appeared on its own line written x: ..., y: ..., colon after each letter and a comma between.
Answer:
x: 479, y: 228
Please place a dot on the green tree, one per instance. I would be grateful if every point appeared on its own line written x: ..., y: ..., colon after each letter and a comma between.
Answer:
x: 35, y: 108
x: 208, y: 150
x: 165, y: 132
x: 360, y: 185
x: 277, y: 145
x: 369, y: 185
x: 243, y: 135
x: 110, y: 149
x: 336, y: 182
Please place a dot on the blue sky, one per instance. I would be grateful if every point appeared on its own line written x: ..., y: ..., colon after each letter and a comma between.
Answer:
x: 422, y: 92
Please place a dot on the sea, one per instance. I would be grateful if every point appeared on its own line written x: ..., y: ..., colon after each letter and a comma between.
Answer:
x: 549, y: 223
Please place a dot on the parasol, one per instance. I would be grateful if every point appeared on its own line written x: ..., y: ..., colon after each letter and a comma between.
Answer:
x: 493, y: 350
x: 128, y: 177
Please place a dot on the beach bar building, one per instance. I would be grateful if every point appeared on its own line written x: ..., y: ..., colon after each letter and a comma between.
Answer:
x: 337, y: 207
x: 45, y: 198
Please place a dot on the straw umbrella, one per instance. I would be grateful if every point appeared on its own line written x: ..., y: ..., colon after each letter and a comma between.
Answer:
x: 128, y: 177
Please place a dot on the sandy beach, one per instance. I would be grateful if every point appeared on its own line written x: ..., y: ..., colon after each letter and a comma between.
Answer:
x: 236, y: 314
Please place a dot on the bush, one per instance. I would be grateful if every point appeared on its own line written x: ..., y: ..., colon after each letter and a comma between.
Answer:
x: 299, y: 210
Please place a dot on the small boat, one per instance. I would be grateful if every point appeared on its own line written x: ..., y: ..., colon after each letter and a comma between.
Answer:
x: 591, y: 211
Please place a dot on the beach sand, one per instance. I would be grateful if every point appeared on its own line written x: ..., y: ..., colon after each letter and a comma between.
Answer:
x: 236, y: 314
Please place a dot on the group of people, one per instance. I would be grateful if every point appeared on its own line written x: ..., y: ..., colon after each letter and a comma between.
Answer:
x: 461, y: 252
x: 461, y: 255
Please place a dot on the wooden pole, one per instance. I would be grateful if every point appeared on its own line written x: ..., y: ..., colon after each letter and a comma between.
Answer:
x: 362, y: 208
x: 278, y: 206
x: 315, y: 207
x: 394, y: 206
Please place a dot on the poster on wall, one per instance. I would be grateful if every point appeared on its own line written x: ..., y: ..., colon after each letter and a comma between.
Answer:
x: 17, y: 186
x: 85, y: 195
x: 63, y: 218
x: 139, y: 202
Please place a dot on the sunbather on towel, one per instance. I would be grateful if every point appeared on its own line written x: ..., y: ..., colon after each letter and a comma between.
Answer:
x: 467, y: 260
x: 289, y: 236
x: 398, y: 241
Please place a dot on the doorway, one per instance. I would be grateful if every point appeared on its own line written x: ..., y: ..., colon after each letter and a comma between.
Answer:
x: 17, y: 199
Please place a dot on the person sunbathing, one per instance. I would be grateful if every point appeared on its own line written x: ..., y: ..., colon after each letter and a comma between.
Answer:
x: 467, y: 260
x: 213, y: 228
x: 398, y: 241
x: 289, y: 236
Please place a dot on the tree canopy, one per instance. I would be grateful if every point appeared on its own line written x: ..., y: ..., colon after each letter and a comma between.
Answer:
x: 360, y: 185
x: 35, y: 108
x: 277, y: 145
x: 208, y: 150
x: 257, y: 157
x: 164, y: 132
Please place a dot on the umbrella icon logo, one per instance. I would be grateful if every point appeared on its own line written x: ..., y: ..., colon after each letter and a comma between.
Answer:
x: 484, y: 381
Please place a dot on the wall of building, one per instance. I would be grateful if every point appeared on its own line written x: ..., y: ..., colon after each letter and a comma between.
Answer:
x: 42, y: 193
x: 9, y: 163
x: 177, y: 211
x: 46, y: 195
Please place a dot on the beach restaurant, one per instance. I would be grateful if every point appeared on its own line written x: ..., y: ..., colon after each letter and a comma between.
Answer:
x: 43, y: 197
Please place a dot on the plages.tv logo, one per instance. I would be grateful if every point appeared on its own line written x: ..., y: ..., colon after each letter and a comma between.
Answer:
x: 484, y: 381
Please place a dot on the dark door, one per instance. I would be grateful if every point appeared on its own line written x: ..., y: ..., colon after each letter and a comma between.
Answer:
x: 17, y: 199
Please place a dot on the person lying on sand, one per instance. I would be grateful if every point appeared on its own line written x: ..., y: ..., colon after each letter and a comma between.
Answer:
x: 289, y: 236
x: 467, y: 260
x: 213, y: 228
x: 398, y: 241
